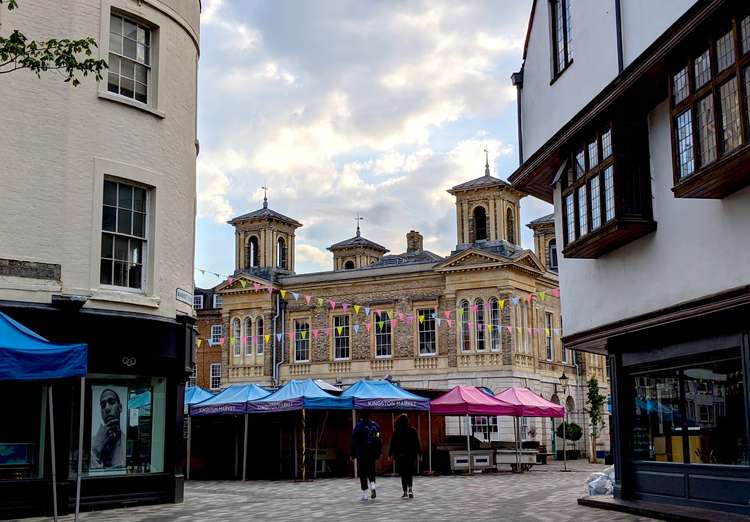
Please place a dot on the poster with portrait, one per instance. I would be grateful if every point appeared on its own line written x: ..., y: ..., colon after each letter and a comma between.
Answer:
x: 109, y: 424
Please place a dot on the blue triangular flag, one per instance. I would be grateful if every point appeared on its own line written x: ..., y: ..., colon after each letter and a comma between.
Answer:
x: 295, y: 295
x: 367, y: 312
x: 356, y: 328
x: 279, y: 336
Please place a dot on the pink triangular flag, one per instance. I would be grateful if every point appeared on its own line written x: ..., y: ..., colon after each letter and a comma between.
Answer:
x: 256, y: 286
x: 394, y: 323
x: 401, y: 316
x: 450, y: 323
x: 528, y: 330
x: 345, y: 306
x: 308, y: 298
x: 270, y: 290
x: 556, y: 292
x: 473, y: 308
x: 447, y: 315
x: 315, y: 333
x: 409, y: 318
x: 230, y: 280
x: 368, y: 327
x: 332, y: 303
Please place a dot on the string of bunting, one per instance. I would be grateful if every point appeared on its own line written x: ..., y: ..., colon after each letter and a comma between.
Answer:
x: 385, y: 316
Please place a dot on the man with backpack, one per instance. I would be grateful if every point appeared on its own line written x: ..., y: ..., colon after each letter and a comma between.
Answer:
x: 367, y: 445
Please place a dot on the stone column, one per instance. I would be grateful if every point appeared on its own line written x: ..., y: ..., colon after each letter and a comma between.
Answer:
x: 492, y: 235
x: 465, y: 212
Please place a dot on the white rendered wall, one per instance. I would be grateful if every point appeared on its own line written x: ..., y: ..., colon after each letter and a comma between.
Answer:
x: 700, y: 248
x: 643, y: 21
x: 59, y: 141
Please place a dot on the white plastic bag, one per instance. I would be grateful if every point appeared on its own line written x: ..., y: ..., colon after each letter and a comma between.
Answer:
x: 599, y: 484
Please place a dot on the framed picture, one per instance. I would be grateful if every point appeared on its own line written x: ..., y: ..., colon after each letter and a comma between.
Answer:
x: 109, y: 421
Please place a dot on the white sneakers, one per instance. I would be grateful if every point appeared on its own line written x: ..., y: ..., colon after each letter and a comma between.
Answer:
x: 372, y: 489
x: 364, y: 496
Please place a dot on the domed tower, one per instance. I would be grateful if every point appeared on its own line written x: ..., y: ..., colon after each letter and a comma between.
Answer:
x: 264, y: 242
x: 487, y: 209
x: 356, y: 252
x: 545, y: 243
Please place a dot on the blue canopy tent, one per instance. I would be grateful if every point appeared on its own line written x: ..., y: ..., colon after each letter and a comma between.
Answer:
x: 231, y: 401
x: 27, y: 356
x: 300, y: 396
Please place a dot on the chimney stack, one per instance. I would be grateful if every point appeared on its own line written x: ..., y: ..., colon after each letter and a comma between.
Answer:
x: 414, y: 242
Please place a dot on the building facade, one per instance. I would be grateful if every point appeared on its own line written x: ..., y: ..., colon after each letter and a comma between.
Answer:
x: 634, y: 121
x: 96, y: 246
x: 486, y: 315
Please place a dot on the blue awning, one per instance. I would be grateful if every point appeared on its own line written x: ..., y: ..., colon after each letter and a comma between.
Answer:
x: 231, y: 401
x: 27, y: 356
x: 384, y: 395
x: 196, y: 394
x: 298, y: 395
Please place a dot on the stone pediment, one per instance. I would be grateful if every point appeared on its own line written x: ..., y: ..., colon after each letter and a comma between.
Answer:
x: 470, y: 259
x: 529, y: 260
x: 243, y: 282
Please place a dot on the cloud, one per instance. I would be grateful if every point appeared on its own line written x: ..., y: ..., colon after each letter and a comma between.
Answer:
x: 349, y: 107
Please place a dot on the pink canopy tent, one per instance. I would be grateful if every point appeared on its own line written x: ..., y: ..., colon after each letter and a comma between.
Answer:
x: 468, y: 400
x: 526, y: 403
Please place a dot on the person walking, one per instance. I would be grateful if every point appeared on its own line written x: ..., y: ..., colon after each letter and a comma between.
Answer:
x: 367, y: 446
x: 405, y: 449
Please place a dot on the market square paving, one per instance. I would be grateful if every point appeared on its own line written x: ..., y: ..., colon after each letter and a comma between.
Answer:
x: 544, y: 494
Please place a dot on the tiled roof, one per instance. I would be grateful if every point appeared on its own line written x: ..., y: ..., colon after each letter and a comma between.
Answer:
x: 423, y: 256
x: 500, y: 248
x: 550, y: 218
x: 266, y: 213
x: 358, y: 241
x: 480, y: 182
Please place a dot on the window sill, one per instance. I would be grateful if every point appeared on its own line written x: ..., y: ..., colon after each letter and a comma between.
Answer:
x: 719, y: 179
x: 125, y: 297
x: 106, y: 95
x: 609, y: 237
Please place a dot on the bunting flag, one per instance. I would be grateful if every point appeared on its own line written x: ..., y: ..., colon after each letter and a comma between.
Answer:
x: 315, y: 333
x: 339, y: 330
x: 327, y: 331
x: 320, y: 301
x: 200, y: 341
x: 487, y: 305
x: 221, y: 341
x: 473, y: 308
x: 356, y: 309
x: 270, y: 289
x: 256, y: 286
x: 230, y: 280
x: 556, y: 292
x: 308, y: 298
x: 556, y: 330
x: 368, y: 327
x: 367, y: 312
x: 519, y: 330
x: 279, y: 336
x: 394, y: 324
x: 421, y: 318
x: 356, y: 328
x: 510, y: 329
x: 303, y: 334
x: 345, y: 306
x: 547, y: 332
x: 542, y: 295
x: 489, y: 328
x: 502, y: 304
x: 243, y: 283
x: 390, y: 314
x: 380, y: 325
x: 529, y: 297
x: 450, y: 323
x: 409, y: 318
x: 267, y: 338
x: 283, y: 293
x: 295, y: 295
x: 437, y: 321
x: 460, y: 312
x: 378, y: 312
x: 515, y: 300
x: 401, y: 316
x: 471, y: 324
x: 231, y: 341
x: 447, y: 314
x: 332, y: 303
x: 433, y: 315
x: 528, y: 330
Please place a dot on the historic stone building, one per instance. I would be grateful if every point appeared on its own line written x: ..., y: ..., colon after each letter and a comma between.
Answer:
x: 488, y: 314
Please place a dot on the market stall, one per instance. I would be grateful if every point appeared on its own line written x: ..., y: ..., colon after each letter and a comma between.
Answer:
x: 234, y: 400
x: 27, y: 356
x: 193, y: 395
x: 467, y: 401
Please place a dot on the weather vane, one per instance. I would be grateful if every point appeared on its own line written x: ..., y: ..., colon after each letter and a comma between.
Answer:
x: 358, y: 219
x: 486, y: 162
x: 265, y: 195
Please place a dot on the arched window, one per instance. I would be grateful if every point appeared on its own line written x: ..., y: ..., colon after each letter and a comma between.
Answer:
x: 281, y: 253
x: 570, y: 404
x: 349, y: 265
x: 510, y: 226
x: 259, y: 338
x: 552, y: 252
x: 495, y: 321
x: 480, y: 224
x: 248, y: 336
x: 236, y: 338
x: 251, y: 252
x: 479, y: 324
x: 465, y: 332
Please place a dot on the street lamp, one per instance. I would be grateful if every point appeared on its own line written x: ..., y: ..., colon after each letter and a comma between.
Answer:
x: 564, y: 383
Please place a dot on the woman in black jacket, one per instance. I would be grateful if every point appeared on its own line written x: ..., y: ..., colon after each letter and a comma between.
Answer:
x: 405, y: 449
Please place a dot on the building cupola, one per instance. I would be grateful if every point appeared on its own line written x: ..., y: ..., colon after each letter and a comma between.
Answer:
x: 356, y: 252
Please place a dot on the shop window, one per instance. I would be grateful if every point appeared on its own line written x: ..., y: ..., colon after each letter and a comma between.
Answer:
x: 712, y: 429
x: 710, y: 114
x: 24, y: 431
x: 383, y: 335
x: 341, y: 337
x: 606, y: 191
x: 426, y: 332
x: 125, y: 422
x: 301, y: 341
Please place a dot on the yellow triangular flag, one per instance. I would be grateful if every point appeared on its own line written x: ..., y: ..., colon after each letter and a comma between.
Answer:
x: 339, y: 329
x: 542, y: 295
x: 283, y: 293
x: 390, y: 314
x: 231, y: 341
x: 200, y: 341
x: 546, y: 332
x: 502, y: 304
x: 304, y: 334
x: 268, y: 338
x: 356, y: 309
x: 421, y: 319
x: 489, y: 328
x: 243, y: 283
x: 381, y: 324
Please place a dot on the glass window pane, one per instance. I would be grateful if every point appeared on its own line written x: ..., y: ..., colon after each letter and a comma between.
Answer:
x: 114, y: 63
x: 105, y: 272
x: 110, y: 193
x: 121, y: 248
x: 684, y: 129
x: 134, y: 276
x: 745, y: 26
x: 593, y: 154
x: 596, y: 207
x: 715, y: 406
x: 680, y: 85
x: 115, y: 43
x: 583, y: 219
x: 124, y: 224
x: 657, y: 424
x: 706, y: 130
x: 115, y: 24
x: 126, y: 87
x: 131, y: 30
x: 725, y: 51
x: 730, y: 116
x: 702, y: 69
x: 570, y: 217
x: 141, y: 92
x: 127, y: 69
x: 580, y: 164
x: 108, y: 243
x: 141, y: 53
x: 136, y: 251
x: 609, y: 193
x: 141, y: 73
x: 125, y: 196
x: 141, y: 35
x: 121, y: 274
x: 746, y: 81
x: 113, y: 83
x: 559, y: 36
x: 109, y: 218
x: 606, y: 144
x: 139, y: 199
x: 129, y: 48
x: 139, y: 225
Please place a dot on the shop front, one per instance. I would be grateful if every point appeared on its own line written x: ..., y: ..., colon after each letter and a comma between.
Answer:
x: 681, y: 397
x: 133, y: 445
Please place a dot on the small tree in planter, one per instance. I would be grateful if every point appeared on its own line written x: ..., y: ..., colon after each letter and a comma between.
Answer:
x: 595, y: 401
x: 569, y: 431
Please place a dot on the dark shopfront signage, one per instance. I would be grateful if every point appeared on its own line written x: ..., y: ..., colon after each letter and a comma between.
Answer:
x: 391, y: 404
x: 218, y: 409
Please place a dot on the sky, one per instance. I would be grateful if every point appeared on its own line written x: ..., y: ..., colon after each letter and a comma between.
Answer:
x: 339, y: 107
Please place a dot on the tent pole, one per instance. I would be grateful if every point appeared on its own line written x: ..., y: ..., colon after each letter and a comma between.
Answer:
x: 80, y: 450
x: 304, y: 430
x: 393, y: 429
x: 429, y: 436
x: 52, y: 449
x: 189, y: 444
x: 354, y: 425
x: 517, y: 425
x: 468, y: 440
x: 419, y: 437
x: 244, y: 452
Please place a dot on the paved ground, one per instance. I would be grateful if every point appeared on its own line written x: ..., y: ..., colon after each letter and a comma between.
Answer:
x: 544, y: 494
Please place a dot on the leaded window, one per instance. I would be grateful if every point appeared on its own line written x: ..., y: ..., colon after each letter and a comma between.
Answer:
x: 562, y: 35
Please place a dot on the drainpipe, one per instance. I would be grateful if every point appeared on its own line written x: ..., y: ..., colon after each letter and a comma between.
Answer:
x: 276, y: 365
x: 618, y: 28
x: 582, y: 405
x: 517, y: 79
